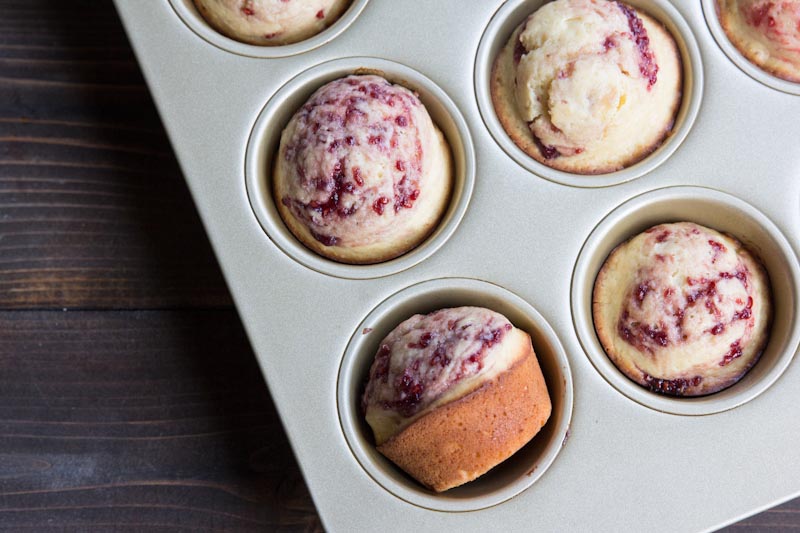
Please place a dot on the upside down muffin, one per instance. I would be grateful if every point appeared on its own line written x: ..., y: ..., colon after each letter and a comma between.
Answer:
x: 588, y: 86
x: 362, y: 174
x: 270, y: 22
x: 454, y: 393
x: 766, y: 32
x: 682, y: 309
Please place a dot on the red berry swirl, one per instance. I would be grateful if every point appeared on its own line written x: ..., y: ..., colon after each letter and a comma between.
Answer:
x: 361, y: 163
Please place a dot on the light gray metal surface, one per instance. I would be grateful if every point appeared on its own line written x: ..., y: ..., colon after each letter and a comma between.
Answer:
x: 625, y: 466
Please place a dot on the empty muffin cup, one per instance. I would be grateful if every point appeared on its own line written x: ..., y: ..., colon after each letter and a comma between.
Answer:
x: 726, y: 214
x: 264, y: 144
x: 510, y: 477
x: 495, y: 38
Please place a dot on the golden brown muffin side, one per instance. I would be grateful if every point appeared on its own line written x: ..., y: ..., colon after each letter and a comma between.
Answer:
x: 464, y: 439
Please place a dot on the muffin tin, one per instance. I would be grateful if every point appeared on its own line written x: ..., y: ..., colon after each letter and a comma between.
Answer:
x: 516, y: 238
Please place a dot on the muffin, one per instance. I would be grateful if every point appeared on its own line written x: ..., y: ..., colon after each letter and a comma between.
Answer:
x: 362, y: 174
x: 588, y: 86
x: 682, y: 309
x: 270, y: 22
x: 766, y: 32
x: 454, y: 393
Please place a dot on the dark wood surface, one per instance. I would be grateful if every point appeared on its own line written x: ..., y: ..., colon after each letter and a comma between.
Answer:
x: 129, y: 396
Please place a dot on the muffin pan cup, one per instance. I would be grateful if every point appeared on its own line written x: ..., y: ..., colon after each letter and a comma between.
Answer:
x: 515, y: 12
x: 510, y: 477
x: 711, y: 14
x: 265, y: 139
x: 726, y: 214
x: 528, y: 245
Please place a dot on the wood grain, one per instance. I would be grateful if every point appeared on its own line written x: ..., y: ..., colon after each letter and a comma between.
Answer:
x: 129, y: 396
x: 88, y: 182
x: 782, y: 518
x: 145, y: 409
x: 140, y: 418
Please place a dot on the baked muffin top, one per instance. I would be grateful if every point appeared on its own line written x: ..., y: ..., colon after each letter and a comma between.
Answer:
x: 588, y: 86
x: 270, y: 22
x: 362, y: 174
x: 682, y: 309
x: 766, y: 32
x: 430, y: 360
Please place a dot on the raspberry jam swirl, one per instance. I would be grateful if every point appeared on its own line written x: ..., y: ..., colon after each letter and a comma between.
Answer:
x: 693, y: 289
x: 355, y: 155
x: 428, y: 355
x: 578, y: 62
x: 777, y: 20
x: 774, y: 26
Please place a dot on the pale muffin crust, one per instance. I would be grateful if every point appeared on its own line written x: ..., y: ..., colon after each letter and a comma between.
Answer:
x: 682, y: 309
x: 453, y: 393
x: 766, y: 32
x: 270, y: 22
x: 588, y: 86
x: 362, y: 174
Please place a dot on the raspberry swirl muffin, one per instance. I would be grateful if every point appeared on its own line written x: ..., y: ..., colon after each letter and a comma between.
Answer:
x: 270, y: 22
x: 766, y: 32
x: 362, y: 174
x: 588, y: 86
x: 682, y: 309
x: 454, y: 393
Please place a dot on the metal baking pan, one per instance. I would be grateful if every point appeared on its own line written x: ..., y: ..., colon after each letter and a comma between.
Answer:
x: 519, y: 238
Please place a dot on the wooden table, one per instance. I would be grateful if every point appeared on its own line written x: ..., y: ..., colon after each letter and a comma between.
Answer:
x: 129, y: 395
